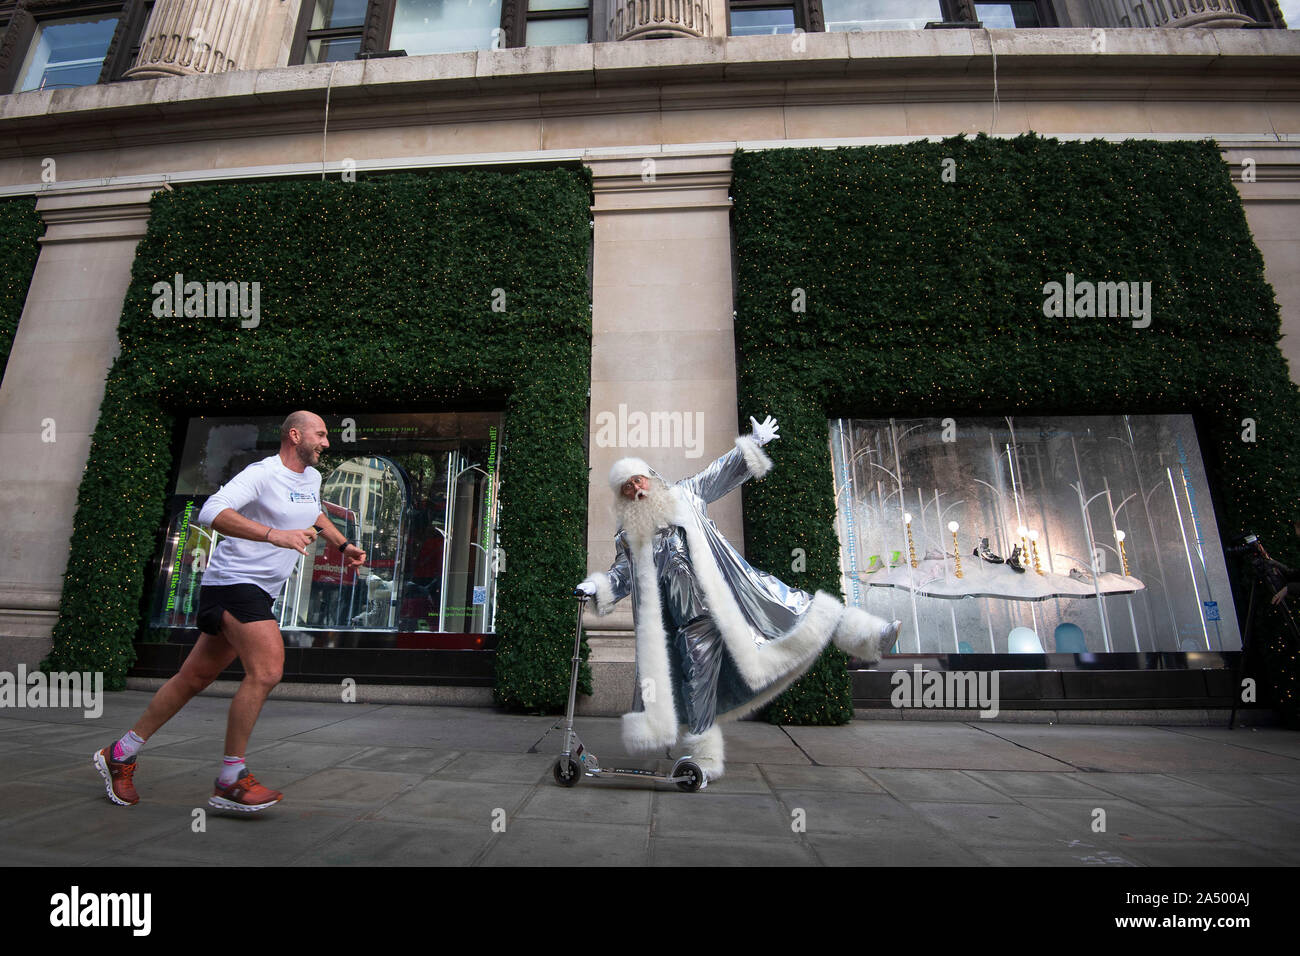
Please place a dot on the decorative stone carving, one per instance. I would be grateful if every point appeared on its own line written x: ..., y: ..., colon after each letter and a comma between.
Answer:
x: 1169, y: 13
x: 185, y: 37
x: 645, y: 19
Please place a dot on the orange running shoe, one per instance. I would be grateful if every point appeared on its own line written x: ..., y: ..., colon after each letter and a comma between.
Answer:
x: 245, y: 795
x: 117, y: 776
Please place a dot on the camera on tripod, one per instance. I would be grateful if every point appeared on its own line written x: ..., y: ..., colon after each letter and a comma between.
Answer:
x: 1264, y: 568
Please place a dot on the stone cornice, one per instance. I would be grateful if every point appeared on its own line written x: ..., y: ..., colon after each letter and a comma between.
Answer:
x: 604, y: 78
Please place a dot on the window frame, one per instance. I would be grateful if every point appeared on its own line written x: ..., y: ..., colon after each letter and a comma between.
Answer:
x: 27, y: 15
x: 377, y: 28
x: 809, y: 15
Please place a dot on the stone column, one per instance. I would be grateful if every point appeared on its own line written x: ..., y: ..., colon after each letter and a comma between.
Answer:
x: 654, y: 19
x: 185, y: 37
x: 50, y: 397
x: 663, y: 370
x: 1267, y: 176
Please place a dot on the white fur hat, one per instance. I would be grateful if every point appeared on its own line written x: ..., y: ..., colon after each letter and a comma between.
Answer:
x: 626, y: 468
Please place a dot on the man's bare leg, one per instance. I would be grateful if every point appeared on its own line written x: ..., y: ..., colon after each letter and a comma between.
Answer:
x: 261, y: 650
x: 211, y: 655
x: 116, y: 763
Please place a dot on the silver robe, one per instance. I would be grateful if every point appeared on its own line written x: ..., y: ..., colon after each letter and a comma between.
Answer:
x: 716, y: 637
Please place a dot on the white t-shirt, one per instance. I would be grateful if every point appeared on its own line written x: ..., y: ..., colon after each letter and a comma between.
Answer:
x: 271, y: 494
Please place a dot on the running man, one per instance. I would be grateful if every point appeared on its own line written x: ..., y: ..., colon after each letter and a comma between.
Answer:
x: 269, y: 513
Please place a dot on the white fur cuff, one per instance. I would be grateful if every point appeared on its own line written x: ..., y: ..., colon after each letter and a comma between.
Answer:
x: 859, y: 634
x: 755, y: 458
x: 604, y: 593
x: 707, y: 751
x: 642, y: 735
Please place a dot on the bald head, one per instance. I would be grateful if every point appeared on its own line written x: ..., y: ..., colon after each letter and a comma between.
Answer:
x: 301, y: 420
x: 302, y: 439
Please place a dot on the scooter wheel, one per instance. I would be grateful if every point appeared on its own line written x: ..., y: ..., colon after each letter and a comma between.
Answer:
x: 567, y: 772
x: 694, y: 774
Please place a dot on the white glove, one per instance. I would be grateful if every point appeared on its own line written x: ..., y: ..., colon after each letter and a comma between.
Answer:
x: 586, y: 587
x: 765, y: 432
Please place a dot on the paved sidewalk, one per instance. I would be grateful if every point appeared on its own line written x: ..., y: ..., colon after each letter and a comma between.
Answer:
x: 397, y: 785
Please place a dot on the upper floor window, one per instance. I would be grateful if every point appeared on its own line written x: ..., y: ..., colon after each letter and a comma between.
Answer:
x: 67, y: 53
x: 845, y: 15
x: 52, y: 45
x: 345, y: 29
x: 749, y: 18
x: 760, y: 17
x: 1005, y: 16
x: 334, y: 29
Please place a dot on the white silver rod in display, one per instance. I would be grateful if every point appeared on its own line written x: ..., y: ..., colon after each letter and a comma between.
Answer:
x: 1191, y: 568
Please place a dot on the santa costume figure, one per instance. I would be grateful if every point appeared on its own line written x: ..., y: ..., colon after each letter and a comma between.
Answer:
x: 715, y: 638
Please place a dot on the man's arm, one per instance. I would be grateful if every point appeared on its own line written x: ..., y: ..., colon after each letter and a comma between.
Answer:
x: 747, y: 460
x: 610, y: 587
x: 353, y: 556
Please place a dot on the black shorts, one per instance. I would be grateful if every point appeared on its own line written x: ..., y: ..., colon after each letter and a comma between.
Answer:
x: 245, y: 602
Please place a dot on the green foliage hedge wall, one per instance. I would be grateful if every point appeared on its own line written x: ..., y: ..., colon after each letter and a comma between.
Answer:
x: 20, y: 228
x: 375, y: 295
x: 925, y: 298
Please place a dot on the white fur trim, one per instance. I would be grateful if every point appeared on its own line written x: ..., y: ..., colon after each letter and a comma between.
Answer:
x: 755, y: 458
x: 604, y: 593
x: 706, y: 751
x: 656, y: 726
x: 625, y: 468
x: 758, y: 665
x: 858, y: 633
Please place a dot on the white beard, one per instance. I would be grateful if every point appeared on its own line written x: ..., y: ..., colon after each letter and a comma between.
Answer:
x: 641, y: 518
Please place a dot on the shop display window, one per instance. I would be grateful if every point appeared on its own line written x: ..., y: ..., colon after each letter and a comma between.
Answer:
x: 417, y: 492
x: 1037, y: 535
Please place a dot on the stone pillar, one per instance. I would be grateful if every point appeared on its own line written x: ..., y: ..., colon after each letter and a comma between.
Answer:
x: 663, y: 368
x: 50, y: 397
x: 185, y: 37
x: 1267, y: 176
x: 1169, y: 13
x: 654, y: 19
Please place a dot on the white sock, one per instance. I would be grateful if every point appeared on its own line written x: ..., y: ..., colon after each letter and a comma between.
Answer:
x: 231, y: 767
x: 128, y: 746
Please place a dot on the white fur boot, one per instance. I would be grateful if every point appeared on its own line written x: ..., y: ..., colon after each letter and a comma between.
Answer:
x: 864, y: 635
x: 706, y: 751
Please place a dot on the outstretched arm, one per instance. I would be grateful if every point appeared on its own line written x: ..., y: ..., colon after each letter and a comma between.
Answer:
x: 610, y: 587
x: 744, y: 461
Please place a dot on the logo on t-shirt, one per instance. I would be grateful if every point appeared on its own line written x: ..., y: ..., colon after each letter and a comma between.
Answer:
x: 300, y: 497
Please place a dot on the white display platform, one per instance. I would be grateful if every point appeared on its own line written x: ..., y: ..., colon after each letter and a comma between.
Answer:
x: 980, y: 579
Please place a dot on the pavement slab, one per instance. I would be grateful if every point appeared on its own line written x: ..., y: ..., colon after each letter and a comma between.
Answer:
x: 409, y: 785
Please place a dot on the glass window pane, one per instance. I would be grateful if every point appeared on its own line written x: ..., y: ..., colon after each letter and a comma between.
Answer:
x: 556, y: 5
x: 327, y: 51
x: 748, y: 23
x: 416, y: 492
x: 845, y: 15
x: 1034, y: 535
x: 444, y: 26
x: 556, y: 32
x: 338, y: 13
x: 1005, y: 16
x: 68, y: 53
